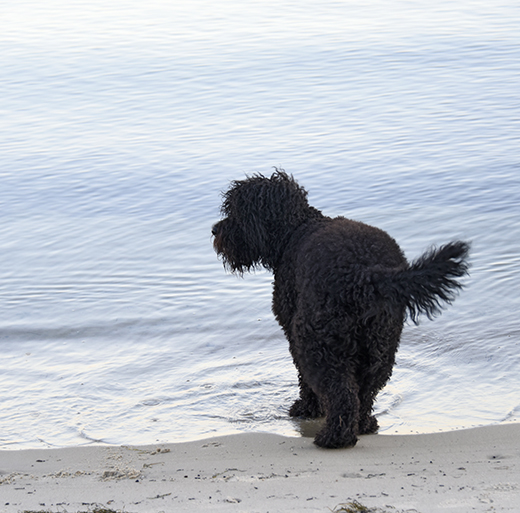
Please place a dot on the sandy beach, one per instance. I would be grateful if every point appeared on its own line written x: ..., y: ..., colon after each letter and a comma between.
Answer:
x: 461, y: 471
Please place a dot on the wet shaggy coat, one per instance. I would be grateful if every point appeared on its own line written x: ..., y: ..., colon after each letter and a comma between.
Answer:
x: 342, y: 290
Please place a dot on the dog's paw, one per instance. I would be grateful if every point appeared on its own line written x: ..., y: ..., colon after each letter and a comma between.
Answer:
x: 305, y: 410
x: 368, y: 425
x: 329, y: 440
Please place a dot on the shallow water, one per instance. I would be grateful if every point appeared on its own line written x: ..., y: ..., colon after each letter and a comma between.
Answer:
x: 120, y: 128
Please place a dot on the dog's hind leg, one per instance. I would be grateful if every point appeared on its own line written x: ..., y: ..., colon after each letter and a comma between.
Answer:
x: 334, y: 385
x: 367, y: 422
x: 369, y: 386
x: 380, y: 342
x: 339, y: 393
x: 328, y: 382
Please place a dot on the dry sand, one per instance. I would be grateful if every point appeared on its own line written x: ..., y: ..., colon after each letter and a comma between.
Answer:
x: 473, y: 470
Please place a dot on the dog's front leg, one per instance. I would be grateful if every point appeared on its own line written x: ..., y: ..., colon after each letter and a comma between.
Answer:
x: 308, y: 405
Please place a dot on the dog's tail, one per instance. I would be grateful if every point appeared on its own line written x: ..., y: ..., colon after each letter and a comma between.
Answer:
x: 427, y: 283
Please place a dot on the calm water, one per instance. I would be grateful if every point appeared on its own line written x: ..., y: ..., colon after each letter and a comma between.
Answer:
x: 119, y: 128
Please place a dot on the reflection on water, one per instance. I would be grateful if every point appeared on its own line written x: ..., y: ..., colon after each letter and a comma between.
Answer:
x: 120, y: 128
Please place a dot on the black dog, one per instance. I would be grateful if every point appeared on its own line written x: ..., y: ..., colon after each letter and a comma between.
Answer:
x: 342, y: 290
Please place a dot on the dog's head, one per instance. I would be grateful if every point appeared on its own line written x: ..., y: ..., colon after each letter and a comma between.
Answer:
x: 259, y: 216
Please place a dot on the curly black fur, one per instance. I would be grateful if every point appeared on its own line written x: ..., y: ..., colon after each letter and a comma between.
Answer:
x: 342, y: 290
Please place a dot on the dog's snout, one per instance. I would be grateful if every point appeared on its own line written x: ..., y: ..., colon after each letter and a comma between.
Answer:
x: 214, y: 229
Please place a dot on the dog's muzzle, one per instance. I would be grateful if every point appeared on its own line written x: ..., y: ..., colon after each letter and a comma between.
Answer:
x: 216, y: 232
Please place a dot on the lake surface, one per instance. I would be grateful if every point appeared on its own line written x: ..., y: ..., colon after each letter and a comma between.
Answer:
x: 121, y: 126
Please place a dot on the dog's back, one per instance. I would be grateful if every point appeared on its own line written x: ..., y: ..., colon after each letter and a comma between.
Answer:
x: 346, y: 243
x: 348, y: 264
x: 331, y: 262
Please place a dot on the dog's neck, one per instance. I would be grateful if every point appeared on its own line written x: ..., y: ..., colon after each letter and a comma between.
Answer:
x: 286, y: 235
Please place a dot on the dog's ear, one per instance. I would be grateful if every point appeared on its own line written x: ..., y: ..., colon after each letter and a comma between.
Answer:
x: 239, y: 244
x: 245, y: 233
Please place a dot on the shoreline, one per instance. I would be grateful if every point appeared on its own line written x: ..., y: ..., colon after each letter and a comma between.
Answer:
x: 475, y: 469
